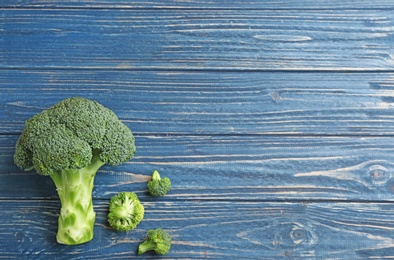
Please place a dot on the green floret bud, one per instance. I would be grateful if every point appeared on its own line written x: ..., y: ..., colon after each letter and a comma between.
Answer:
x: 157, y: 240
x: 125, y: 211
x: 75, y: 153
x: 69, y: 142
x: 158, y: 186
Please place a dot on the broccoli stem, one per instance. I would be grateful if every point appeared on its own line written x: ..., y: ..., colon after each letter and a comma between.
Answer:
x: 155, y: 175
x: 77, y: 217
x: 145, y: 246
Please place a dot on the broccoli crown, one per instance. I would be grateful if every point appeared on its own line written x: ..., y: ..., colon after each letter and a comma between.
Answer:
x: 158, y: 240
x: 125, y: 211
x: 68, y: 134
x: 158, y: 186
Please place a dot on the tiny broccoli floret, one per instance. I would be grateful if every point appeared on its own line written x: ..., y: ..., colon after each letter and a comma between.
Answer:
x: 157, y: 240
x: 125, y: 211
x: 158, y: 186
x: 69, y: 142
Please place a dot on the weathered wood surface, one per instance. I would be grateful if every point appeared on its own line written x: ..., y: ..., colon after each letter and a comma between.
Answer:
x: 338, y: 39
x: 155, y: 102
x: 237, y: 167
x: 212, y: 229
x: 203, y: 4
x: 274, y: 120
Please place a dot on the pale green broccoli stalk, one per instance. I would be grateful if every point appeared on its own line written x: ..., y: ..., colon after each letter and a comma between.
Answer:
x: 157, y: 240
x: 125, y: 211
x: 158, y: 186
x: 69, y: 142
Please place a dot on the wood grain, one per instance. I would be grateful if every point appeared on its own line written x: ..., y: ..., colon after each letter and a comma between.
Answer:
x: 236, y: 168
x: 193, y: 103
x: 202, y: 4
x: 273, y: 120
x: 218, y: 230
x: 248, y: 40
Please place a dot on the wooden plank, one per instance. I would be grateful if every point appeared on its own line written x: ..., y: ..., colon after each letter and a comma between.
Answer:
x: 225, y: 230
x: 235, y: 168
x: 212, y: 103
x: 202, y: 4
x: 356, y: 40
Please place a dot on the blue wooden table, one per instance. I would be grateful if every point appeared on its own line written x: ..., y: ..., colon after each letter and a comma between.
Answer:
x: 273, y: 119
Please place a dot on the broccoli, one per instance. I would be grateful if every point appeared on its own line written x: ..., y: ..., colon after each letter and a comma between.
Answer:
x: 125, y: 211
x: 158, y: 240
x: 69, y: 142
x: 158, y: 186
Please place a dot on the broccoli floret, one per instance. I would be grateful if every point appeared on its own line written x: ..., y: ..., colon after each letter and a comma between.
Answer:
x: 158, y: 186
x: 69, y: 142
x: 125, y: 211
x: 158, y: 240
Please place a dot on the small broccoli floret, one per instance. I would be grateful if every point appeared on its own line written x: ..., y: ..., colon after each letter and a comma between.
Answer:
x: 157, y: 240
x: 69, y: 142
x: 125, y: 211
x: 158, y: 186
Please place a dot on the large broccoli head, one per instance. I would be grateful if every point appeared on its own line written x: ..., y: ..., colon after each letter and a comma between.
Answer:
x: 68, y: 134
x: 69, y: 142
